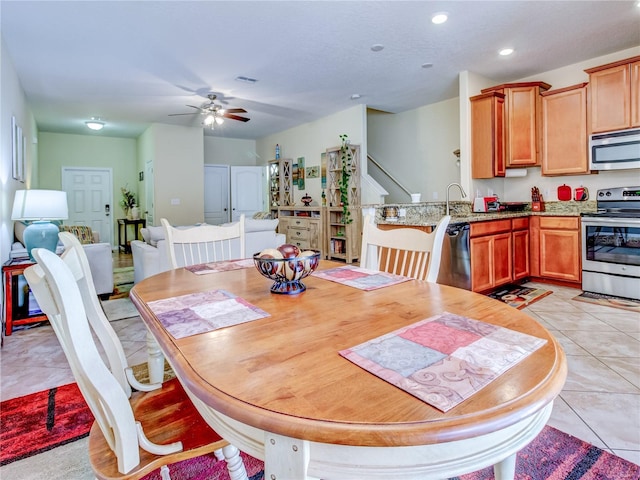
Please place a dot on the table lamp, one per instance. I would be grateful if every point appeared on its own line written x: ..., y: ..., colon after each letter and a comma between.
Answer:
x: 40, y: 207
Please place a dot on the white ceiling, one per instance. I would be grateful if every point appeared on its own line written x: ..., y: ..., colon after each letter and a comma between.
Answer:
x: 133, y: 63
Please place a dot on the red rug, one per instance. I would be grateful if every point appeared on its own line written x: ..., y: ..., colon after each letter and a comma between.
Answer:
x: 41, y: 421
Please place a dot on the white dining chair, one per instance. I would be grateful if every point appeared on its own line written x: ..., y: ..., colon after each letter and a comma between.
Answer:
x: 204, y: 243
x: 404, y: 251
x: 75, y: 258
x: 131, y: 437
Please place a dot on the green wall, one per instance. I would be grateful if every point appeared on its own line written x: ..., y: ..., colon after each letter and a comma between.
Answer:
x: 57, y: 150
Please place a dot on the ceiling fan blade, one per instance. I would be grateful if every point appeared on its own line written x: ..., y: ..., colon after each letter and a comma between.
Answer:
x: 193, y: 106
x: 176, y: 114
x: 235, y: 110
x: 235, y: 117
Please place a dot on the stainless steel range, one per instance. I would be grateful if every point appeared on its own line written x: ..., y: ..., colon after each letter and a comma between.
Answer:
x: 611, y: 244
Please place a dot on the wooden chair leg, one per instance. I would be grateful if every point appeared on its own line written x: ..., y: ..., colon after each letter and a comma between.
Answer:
x: 235, y: 465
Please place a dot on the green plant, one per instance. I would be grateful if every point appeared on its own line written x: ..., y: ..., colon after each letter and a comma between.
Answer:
x: 343, y: 182
x: 128, y: 199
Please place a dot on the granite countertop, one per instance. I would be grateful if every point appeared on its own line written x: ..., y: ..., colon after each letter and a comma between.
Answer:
x: 428, y: 214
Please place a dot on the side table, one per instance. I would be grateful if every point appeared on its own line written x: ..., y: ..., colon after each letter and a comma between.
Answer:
x: 12, y: 315
x: 123, y: 224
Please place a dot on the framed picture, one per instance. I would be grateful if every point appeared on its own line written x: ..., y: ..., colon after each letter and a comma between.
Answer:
x: 300, y: 173
x: 313, y: 172
x: 17, y: 151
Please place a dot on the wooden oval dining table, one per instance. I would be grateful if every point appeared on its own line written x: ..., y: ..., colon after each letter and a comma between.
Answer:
x: 278, y: 389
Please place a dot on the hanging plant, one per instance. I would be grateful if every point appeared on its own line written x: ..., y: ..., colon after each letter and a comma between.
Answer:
x: 346, y: 160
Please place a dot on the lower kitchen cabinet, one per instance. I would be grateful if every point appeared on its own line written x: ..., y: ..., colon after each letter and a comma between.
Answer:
x: 520, y: 238
x: 555, y: 248
x: 491, y: 247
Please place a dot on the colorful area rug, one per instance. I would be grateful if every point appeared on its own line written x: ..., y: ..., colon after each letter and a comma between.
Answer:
x: 609, y: 301
x: 41, y: 421
x: 122, y: 282
x: 518, y: 296
x: 27, y: 428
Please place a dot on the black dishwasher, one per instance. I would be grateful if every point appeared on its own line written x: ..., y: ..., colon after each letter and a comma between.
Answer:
x: 455, y: 263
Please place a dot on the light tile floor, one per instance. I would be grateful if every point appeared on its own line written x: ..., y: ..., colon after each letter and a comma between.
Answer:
x: 600, y: 402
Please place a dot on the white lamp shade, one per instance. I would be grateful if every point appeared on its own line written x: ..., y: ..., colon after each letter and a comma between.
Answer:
x: 40, y: 205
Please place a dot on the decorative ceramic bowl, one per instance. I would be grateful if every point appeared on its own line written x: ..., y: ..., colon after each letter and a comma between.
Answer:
x: 287, y: 272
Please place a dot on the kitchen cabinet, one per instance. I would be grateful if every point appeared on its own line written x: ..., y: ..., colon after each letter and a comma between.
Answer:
x: 522, y: 122
x: 614, y: 91
x: 303, y: 227
x: 491, y: 247
x: 280, y: 184
x: 555, y: 248
x: 343, y: 240
x: 520, y: 240
x: 487, y: 135
x: 564, y: 131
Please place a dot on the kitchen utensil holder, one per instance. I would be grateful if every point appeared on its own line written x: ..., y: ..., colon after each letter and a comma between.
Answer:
x: 537, y: 206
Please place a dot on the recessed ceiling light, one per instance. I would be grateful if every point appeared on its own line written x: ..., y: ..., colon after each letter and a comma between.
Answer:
x: 377, y: 47
x: 506, y: 51
x: 355, y: 96
x: 439, y: 17
x: 427, y: 65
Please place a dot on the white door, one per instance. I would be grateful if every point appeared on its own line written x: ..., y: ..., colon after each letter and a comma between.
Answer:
x: 247, y: 191
x: 149, y: 197
x: 89, y: 193
x: 216, y: 194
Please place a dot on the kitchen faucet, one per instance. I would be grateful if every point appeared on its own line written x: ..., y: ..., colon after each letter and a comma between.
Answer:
x: 464, y: 195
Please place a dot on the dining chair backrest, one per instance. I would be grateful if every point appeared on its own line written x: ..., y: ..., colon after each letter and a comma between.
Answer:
x: 204, y: 243
x: 75, y: 258
x: 58, y: 295
x: 404, y: 251
x: 119, y: 447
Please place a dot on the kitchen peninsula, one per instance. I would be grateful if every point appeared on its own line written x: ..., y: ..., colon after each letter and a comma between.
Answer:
x: 483, y: 251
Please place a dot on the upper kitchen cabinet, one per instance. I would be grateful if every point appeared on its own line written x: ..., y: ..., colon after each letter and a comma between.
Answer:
x: 487, y: 135
x: 522, y: 120
x: 564, y: 131
x: 614, y: 95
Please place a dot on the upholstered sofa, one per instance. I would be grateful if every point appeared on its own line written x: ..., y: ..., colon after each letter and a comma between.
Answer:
x: 99, y: 254
x: 150, y: 254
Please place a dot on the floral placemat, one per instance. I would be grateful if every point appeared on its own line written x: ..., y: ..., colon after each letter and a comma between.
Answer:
x: 203, y: 312
x: 444, y: 359
x: 222, y: 266
x: 361, y: 278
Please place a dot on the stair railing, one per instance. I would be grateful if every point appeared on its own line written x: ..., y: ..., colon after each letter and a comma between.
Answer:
x: 388, y: 175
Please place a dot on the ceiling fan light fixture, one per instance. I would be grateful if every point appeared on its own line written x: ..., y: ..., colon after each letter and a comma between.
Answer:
x: 94, y: 124
x: 219, y: 120
x: 209, y: 119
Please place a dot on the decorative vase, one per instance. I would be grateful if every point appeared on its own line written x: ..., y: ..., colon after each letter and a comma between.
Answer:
x: 135, y: 213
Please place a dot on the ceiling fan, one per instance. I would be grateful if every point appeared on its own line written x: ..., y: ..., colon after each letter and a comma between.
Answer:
x: 214, y: 113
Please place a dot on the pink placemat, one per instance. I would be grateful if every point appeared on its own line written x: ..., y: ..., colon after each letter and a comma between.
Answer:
x: 203, y: 312
x: 444, y: 359
x: 223, y: 266
x: 361, y: 278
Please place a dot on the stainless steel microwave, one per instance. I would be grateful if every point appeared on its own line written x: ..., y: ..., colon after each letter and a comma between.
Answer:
x: 615, y: 150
